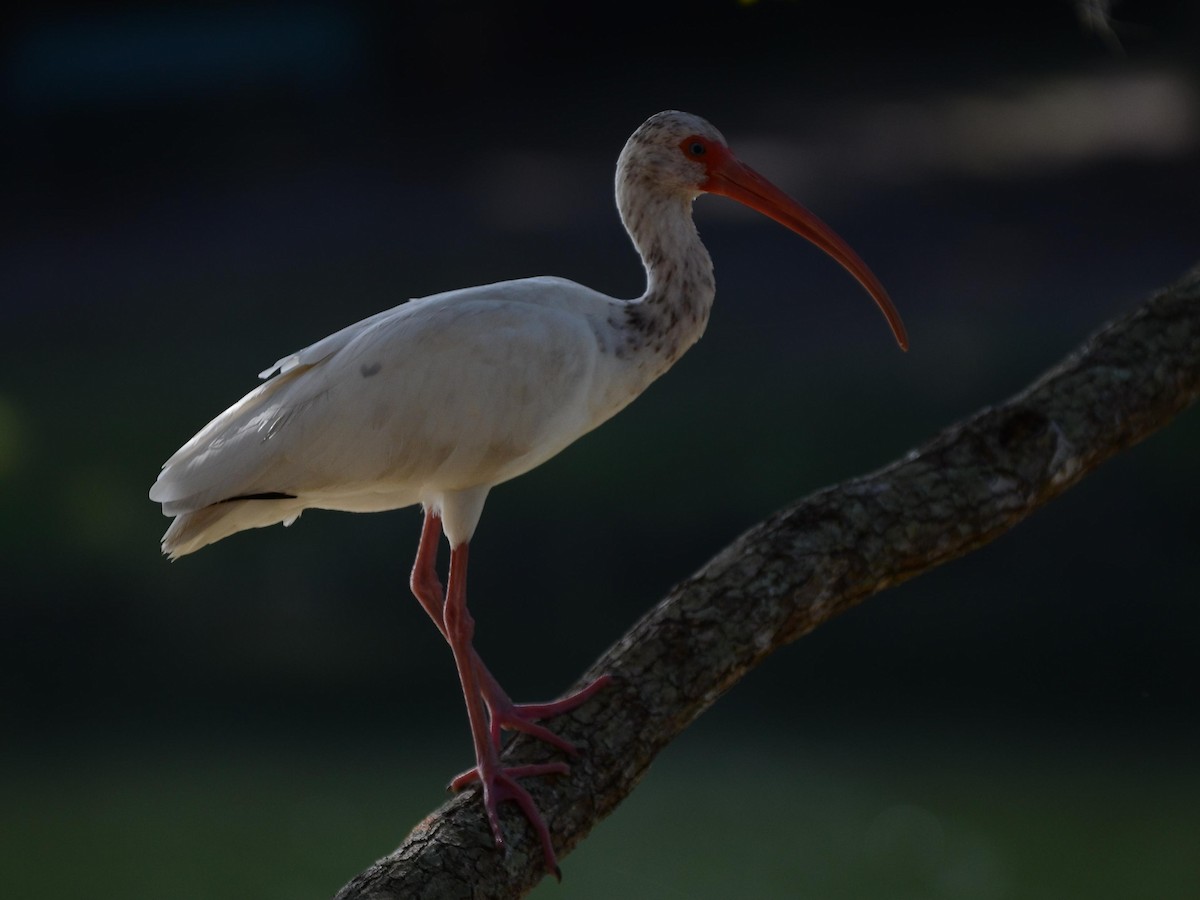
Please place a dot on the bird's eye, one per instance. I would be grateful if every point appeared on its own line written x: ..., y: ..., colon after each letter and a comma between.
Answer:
x: 696, y: 148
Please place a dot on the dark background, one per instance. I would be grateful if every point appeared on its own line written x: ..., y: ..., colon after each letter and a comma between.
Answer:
x: 193, y: 191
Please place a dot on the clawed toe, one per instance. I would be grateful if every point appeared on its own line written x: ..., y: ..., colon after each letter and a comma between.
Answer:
x: 460, y: 781
x: 508, y: 716
x: 496, y: 713
x: 500, y: 785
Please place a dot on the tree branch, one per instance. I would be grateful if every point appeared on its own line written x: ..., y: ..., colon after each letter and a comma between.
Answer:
x: 800, y: 568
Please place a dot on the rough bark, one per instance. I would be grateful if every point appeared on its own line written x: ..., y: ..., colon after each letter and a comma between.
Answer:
x: 803, y: 566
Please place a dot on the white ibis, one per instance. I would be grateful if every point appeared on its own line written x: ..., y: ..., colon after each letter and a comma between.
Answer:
x: 437, y: 400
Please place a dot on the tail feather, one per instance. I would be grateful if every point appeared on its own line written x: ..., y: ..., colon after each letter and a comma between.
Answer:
x: 192, y: 530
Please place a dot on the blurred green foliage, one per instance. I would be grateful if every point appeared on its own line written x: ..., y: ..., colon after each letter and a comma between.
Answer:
x: 836, y: 813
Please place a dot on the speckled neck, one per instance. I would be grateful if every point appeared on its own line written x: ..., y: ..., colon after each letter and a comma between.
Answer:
x: 672, y: 314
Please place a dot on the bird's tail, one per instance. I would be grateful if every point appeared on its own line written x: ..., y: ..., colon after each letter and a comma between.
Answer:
x: 195, y: 529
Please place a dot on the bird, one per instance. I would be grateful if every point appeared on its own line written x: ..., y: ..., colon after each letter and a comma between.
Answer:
x: 436, y: 401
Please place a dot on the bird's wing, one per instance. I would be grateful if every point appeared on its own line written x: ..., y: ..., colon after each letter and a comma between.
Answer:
x: 459, y: 389
x: 314, y: 353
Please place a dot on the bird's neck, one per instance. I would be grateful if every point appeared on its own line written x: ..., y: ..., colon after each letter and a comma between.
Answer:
x: 671, y: 316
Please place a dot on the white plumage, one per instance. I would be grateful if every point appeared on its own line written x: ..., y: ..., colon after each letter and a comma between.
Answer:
x: 431, y: 402
x: 437, y: 400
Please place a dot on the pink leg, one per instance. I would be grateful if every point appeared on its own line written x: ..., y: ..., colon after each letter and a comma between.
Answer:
x: 424, y: 581
x: 499, y: 783
x: 489, y: 708
x: 503, y: 714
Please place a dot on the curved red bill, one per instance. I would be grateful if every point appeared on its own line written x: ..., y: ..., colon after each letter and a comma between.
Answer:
x: 732, y: 178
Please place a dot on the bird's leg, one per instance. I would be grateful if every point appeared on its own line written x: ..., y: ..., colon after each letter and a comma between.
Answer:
x: 427, y: 588
x: 424, y: 581
x: 499, y: 783
x: 502, y: 712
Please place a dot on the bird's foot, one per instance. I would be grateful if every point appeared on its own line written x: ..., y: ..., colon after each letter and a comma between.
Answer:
x: 508, y: 716
x: 499, y: 782
x: 500, y: 785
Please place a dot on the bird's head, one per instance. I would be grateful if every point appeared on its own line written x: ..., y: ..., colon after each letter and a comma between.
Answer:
x: 682, y: 153
x: 655, y: 153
